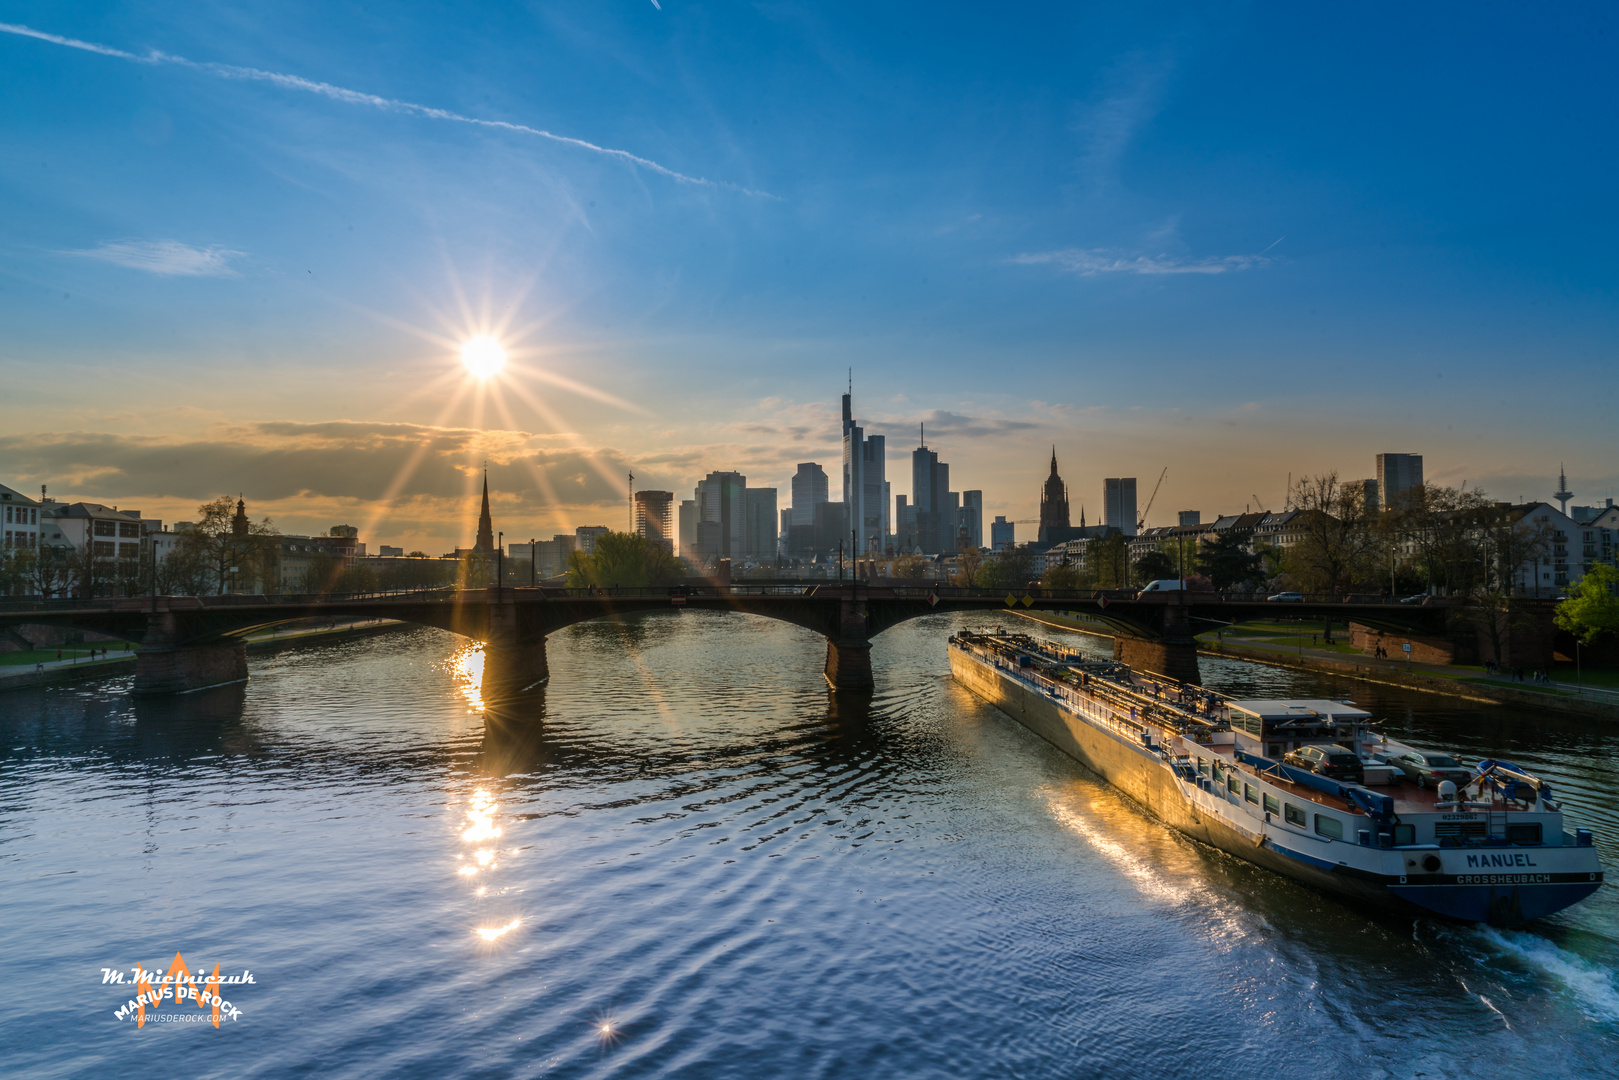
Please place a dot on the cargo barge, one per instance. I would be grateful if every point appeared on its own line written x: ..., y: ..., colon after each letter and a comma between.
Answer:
x: 1493, y: 848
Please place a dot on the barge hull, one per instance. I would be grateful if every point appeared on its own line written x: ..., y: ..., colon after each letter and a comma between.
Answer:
x: 1137, y: 772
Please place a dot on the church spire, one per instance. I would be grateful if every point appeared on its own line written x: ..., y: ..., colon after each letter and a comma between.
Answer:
x: 486, y: 525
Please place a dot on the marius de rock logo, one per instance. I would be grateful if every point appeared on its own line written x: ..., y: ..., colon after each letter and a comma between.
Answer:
x: 180, y: 986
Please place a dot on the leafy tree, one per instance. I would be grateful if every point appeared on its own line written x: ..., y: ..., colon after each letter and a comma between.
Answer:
x: 1154, y: 566
x: 1592, y: 608
x: 909, y: 567
x: 969, y: 565
x: 1228, y: 562
x: 1065, y: 576
x: 1108, y: 559
x: 1009, y: 568
x: 622, y: 560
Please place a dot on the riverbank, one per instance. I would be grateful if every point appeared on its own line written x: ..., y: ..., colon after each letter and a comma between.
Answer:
x: 1469, y: 684
x: 56, y: 672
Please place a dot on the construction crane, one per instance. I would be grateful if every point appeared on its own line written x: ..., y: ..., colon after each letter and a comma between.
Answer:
x: 1141, y: 522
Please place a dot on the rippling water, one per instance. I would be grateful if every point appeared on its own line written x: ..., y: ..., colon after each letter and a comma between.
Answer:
x: 686, y: 858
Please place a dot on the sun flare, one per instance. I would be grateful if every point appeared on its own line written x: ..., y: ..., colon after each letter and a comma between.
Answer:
x: 483, y: 356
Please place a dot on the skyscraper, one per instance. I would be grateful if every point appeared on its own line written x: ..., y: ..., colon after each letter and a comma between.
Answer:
x: 1053, y: 504
x: 653, y: 518
x: 759, y: 535
x: 930, y: 496
x: 722, y: 515
x: 1119, y: 503
x: 809, y: 488
x: 688, y: 528
x: 1396, y: 474
x: 972, y: 517
x: 864, y: 465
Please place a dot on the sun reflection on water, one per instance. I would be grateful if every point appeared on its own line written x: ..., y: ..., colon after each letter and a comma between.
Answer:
x: 479, y: 831
x: 467, y: 666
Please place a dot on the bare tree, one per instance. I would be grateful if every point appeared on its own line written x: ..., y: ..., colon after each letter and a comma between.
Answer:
x: 1335, y: 543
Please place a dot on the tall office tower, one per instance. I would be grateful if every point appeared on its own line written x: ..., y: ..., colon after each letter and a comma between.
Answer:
x: 653, y: 514
x: 688, y: 526
x: 1396, y: 474
x: 863, y: 481
x: 1002, y: 533
x: 759, y: 535
x: 722, y: 515
x: 1191, y: 517
x: 1119, y: 503
x: 972, y: 517
x: 585, y: 536
x: 888, y: 517
x: 786, y: 529
x: 809, y: 488
x: 930, y: 495
x: 1053, y: 504
x: 904, y: 524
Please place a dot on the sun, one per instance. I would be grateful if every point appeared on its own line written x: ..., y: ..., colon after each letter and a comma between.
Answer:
x: 483, y: 357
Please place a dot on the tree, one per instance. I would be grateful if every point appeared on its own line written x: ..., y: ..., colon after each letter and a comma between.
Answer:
x: 1154, y: 566
x: 1108, y: 559
x: 1228, y: 562
x: 1009, y: 568
x: 969, y: 564
x: 908, y: 567
x: 1064, y: 577
x: 1592, y: 608
x: 1335, y: 543
x: 222, y: 540
x: 624, y: 560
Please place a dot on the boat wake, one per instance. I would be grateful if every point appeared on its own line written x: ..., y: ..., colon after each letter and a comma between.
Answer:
x: 1593, y: 986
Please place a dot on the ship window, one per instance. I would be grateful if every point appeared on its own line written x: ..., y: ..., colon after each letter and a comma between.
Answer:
x: 1405, y: 835
x: 1203, y: 767
x: 1525, y: 833
x: 1295, y: 816
x: 1232, y: 784
x: 1329, y: 826
x: 1250, y: 793
x: 1272, y: 806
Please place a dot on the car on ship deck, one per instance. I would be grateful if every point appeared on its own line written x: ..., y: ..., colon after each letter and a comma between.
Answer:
x: 1427, y: 770
x: 1333, y: 762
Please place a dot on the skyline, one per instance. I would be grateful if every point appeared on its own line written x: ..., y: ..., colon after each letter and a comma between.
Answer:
x: 1119, y: 235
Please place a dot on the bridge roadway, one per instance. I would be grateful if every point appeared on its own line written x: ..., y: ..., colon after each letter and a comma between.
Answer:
x: 186, y: 643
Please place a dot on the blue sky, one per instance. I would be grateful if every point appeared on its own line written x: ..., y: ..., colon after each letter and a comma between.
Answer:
x: 1238, y: 240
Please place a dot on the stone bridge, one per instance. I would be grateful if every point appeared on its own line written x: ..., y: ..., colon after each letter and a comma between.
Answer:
x: 186, y: 643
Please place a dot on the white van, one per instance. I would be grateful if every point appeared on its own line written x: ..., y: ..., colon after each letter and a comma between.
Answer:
x: 1163, y: 585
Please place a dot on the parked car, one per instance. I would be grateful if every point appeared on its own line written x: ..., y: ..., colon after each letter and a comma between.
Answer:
x: 1290, y: 597
x: 1417, y: 599
x: 1334, y: 762
x: 1427, y: 770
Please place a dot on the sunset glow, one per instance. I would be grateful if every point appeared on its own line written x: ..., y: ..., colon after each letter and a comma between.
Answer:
x: 483, y: 357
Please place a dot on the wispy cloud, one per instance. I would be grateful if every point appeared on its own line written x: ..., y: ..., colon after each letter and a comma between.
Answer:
x: 170, y: 258
x: 358, y: 97
x: 1088, y: 262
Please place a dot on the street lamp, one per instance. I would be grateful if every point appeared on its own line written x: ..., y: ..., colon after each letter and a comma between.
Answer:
x: 532, y: 563
x: 500, y: 559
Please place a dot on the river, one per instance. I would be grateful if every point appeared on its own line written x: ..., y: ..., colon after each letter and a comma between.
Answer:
x: 686, y: 858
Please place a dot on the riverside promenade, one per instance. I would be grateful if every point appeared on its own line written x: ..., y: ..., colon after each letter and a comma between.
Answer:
x: 1469, y: 682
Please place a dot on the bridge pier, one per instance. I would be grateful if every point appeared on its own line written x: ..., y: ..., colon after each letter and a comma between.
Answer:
x: 1176, y: 659
x: 174, y: 669
x: 848, y: 665
x: 509, y: 668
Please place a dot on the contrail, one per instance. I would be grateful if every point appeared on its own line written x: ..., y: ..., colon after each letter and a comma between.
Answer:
x: 357, y: 97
